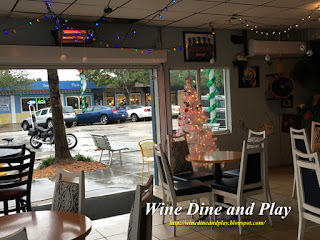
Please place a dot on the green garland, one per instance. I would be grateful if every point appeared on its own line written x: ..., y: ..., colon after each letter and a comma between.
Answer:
x: 212, y: 95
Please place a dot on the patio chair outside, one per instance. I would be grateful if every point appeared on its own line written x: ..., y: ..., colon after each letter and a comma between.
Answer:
x: 146, y: 146
x: 102, y: 143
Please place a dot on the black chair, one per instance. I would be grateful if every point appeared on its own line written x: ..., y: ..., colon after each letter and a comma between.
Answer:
x: 16, y: 184
x: 182, y: 169
x: 140, y: 224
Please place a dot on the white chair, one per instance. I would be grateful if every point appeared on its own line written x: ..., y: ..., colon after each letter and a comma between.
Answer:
x: 299, y: 141
x: 307, y: 172
x: 174, y: 192
x: 315, y: 137
x: 102, y: 143
x: 20, y: 234
x: 251, y: 181
x: 140, y: 224
x: 182, y: 170
x: 68, y: 195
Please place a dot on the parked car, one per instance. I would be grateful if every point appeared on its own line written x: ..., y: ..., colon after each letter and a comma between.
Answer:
x: 136, y: 112
x: 175, y: 110
x: 44, y: 118
x: 102, y: 114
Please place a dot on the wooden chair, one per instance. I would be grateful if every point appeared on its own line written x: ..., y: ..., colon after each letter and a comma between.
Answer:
x: 16, y: 186
x: 182, y: 170
x: 315, y: 137
x: 102, y: 143
x: 20, y: 234
x: 140, y: 224
x: 68, y: 195
x: 307, y: 173
x: 299, y: 141
x: 251, y: 181
x: 174, y: 192
x: 146, y: 146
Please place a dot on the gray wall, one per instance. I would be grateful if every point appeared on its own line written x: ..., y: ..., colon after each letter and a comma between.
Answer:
x: 248, y: 105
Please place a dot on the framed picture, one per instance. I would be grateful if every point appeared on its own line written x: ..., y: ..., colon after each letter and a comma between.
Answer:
x: 199, y: 47
x: 290, y: 120
x: 249, y: 76
x: 287, y: 102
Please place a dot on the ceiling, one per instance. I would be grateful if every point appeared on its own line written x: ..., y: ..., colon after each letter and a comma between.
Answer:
x: 227, y: 14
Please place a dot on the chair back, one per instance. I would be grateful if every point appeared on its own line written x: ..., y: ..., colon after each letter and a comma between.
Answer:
x: 299, y: 140
x: 140, y: 224
x: 315, y: 137
x: 146, y: 146
x: 101, y: 141
x: 177, y: 151
x: 307, y: 172
x: 252, y: 167
x: 256, y: 136
x: 68, y: 195
x: 21, y: 170
x: 20, y: 234
x: 164, y: 171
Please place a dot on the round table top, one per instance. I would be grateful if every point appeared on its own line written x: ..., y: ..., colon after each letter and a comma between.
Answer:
x: 7, y: 152
x: 214, y: 157
x: 49, y: 225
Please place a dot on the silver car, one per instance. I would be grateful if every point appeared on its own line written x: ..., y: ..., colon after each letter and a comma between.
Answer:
x: 44, y: 118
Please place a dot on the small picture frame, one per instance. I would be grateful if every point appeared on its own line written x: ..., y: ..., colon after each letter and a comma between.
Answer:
x: 199, y: 47
x: 248, y: 76
x: 290, y: 120
x: 287, y: 102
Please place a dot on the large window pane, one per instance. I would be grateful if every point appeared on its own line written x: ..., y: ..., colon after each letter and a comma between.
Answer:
x: 25, y: 105
x: 73, y: 101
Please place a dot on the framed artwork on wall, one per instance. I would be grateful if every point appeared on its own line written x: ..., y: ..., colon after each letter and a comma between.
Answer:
x: 290, y: 120
x: 249, y: 76
x: 199, y: 47
x: 287, y: 102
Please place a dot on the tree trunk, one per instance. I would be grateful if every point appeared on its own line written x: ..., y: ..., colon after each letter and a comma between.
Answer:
x: 62, y: 153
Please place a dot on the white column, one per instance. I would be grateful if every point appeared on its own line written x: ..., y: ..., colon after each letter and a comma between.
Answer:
x: 13, y: 109
x: 212, y: 100
x: 62, y: 99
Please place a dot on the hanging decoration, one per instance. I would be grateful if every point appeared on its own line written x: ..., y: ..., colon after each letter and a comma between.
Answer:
x: 213, y: 91
x: 192, y: 120
x: 83, y: 87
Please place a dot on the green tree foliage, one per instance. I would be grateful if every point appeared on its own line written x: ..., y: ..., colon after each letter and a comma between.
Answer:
x: 14, y: 79
x: 123, y: 80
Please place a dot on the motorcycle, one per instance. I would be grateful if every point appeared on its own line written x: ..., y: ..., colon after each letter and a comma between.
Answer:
x: 41, y: 136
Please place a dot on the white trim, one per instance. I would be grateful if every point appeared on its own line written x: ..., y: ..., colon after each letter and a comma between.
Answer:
x: 13, y: 109
x: 62, y: 99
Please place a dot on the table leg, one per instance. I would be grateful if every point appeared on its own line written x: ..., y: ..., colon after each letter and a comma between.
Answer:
x: 217, y: 172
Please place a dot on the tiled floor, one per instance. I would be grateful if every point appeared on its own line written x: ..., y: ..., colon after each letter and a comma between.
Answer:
x: 115, y: 228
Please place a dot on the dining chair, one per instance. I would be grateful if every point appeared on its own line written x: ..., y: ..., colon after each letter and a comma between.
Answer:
x: 299, y: 140
x: 182, y: 169
x: 140, y: 223
x: 102, y: 143
x: 307, y: 172
x: 20, y: 234
x: 16, y: 186
x: 69, y: 195
x: 174, y: 192
x: 251, y: 180
x: 146, y: 147
x: 315, y: 136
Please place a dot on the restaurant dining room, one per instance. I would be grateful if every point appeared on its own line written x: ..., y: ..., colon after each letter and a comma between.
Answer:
x: 181, y: 119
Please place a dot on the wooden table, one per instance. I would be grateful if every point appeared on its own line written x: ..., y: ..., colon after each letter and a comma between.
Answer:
x: 48, y: 225
x: 216, y: 157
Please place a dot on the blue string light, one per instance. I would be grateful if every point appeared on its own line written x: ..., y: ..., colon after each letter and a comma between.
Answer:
x: 160, y: 16
x: 134, y: 32
x: 5, y: 32
x: 97, y: 24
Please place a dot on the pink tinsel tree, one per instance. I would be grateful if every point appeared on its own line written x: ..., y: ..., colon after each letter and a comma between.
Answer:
x: 191, y: 120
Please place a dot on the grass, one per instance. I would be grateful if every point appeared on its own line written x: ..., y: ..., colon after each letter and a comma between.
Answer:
x: 46, y: 162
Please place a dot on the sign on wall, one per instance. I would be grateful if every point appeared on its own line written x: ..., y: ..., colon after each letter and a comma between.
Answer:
x: 4, y: 103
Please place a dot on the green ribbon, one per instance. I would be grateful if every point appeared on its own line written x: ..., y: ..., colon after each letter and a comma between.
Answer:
x: 215, y: 119
x: 213, y: 107
x: 212, y: 95
x: 212, y: 81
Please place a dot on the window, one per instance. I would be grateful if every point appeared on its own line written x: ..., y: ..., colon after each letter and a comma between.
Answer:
x: 135, y: 98
x: 75, y: 102
x: 25, y: 103
x: 89, y: 109
x: 217, y: 118
x: 44, y: 111
x: 148, y: 99
x: 43, y: 102
x: 97, y: 109
x: 38, y: 113
x: 110, y: 101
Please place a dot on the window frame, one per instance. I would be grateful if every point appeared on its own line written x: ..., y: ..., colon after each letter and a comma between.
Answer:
x: 79, y: 101
x: 226, y: 76
x: 35, y: 105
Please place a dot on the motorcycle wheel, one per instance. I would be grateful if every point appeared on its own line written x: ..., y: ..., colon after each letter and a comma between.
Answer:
x: 34, y: 143
x: 72, y: 140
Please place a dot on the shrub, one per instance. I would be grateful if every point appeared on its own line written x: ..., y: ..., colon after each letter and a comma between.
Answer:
x: 46, y: 162
x: 80, y: 157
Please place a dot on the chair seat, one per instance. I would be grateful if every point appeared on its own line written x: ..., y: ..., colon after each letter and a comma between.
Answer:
x: 200, y: 176
x: 190, y: 187
x: 231, y: 173
x: 12, y: 193
x: 149, y: 159
x: 229, y: 185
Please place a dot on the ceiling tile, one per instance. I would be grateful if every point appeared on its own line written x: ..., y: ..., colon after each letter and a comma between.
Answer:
x: 289, y: 3
x: 130, y: 13
x: 102, y: 3
x: 84, y: 10
x: 196, y: 20
x: 253, y: 2
x: 298, y: 14
x: 228, y: 8
x: 192, y: 6
x: 6, y: 5
x: 147, y: 4
x: 39, y: 7
x: 25, y: 15
x: 262, y: 11
x: 154, y: 22
x: 171, y: 16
